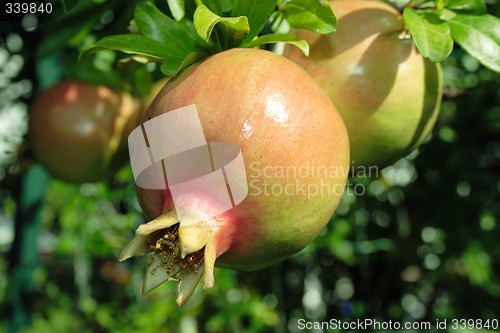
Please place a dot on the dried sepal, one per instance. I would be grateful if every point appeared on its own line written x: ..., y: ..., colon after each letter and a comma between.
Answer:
x: 187, y: 284
x: 138, y: 246
x: 193, y: 236
x: 209, y: 263
x: 161, y: 222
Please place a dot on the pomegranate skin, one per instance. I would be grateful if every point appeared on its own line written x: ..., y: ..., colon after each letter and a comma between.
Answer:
x: 282, y: 121
x: 79, y: 132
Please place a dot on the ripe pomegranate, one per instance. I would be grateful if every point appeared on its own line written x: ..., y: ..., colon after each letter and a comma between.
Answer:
x: 294, y: 144
x: 386, y: 92
x: 79, y: 132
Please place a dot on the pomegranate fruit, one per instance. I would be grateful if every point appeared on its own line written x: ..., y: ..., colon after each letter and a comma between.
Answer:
x: 296, y: 156
x: 79, y: 132
x: 387, y: 93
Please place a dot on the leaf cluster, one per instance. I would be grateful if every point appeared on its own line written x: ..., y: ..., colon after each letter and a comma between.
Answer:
x: 437, y: 25
x: 199, y: 28
x: 180, y: 40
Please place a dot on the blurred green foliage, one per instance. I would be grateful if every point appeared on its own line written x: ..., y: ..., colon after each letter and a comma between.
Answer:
x: 417, y: 241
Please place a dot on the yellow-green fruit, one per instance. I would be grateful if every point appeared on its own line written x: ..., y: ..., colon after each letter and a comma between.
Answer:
x: 387, y: 93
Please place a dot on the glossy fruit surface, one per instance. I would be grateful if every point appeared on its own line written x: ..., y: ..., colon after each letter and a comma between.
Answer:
x: 295, y: 150
x: 386, y: 92
x: 79, y: 132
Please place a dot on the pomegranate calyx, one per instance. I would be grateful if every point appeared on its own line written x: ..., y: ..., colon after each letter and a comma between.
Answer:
x: 187, y: 284
x: 193, y: 235
x: 181, y: 251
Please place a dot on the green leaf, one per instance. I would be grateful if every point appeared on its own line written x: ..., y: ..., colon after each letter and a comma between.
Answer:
x: 488, y: 25
x: 431, y: 35
x: 87, y: 70
x: 175, y: 65
x: 224, y: 6
x: 474, y: 6
x: 177, y: 8
x: 175, y: 44
x: 277, y: 38
x: 60, y: 38
x: 235, y: 28
x: 278, y: 23
x: 447, y: 14
x: 219, y: 7
x: 479, y: 36
x: 173, y: 60
x: 314, y: 15
x: 133, y: 44
x: 71, y: 28
x: 156, y: 25
x: 257, y: 12
x: 193, y: 36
